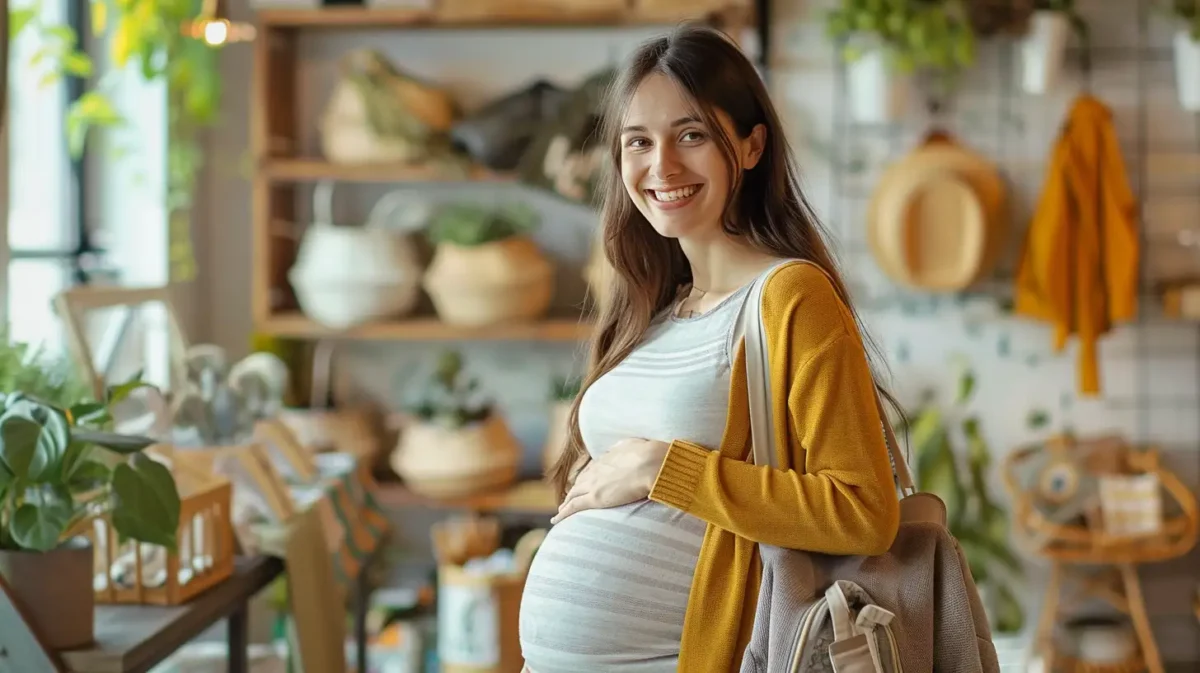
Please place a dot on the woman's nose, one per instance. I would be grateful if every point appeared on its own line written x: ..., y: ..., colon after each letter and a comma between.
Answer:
x: 666, y: 163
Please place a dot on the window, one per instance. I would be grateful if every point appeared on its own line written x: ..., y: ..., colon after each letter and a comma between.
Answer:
x: 45, y: 241
x: 41, y: 236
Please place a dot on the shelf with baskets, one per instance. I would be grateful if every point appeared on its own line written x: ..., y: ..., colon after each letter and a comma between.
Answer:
x: 507, y: 292
x: 295, y: 325
x: 456, y: 14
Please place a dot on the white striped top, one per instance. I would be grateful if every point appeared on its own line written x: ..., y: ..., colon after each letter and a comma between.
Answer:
x: 608, y: 589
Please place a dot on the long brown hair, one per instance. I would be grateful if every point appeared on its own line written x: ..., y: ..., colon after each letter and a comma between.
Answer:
x: 765, y: 207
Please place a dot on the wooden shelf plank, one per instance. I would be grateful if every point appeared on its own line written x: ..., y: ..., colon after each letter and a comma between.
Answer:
x: 311, y: 169
x: 296, y: 325
x: 531, y: 497
x: 360, y: 17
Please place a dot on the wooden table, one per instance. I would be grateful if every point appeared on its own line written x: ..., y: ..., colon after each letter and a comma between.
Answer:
x: 136, y: 638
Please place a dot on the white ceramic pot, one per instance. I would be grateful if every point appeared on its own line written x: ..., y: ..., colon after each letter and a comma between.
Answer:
x: 443, y: 462
x: 877, y: 95
x: 502, y: 281
x: 345, y: 276
x: 1043, y: 50
x: 1187, y: 70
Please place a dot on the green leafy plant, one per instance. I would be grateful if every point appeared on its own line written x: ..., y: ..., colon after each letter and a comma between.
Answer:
x: 149, y: 36
x: 918, y: 35
x: 565, y: 388
x: 61, y: 466
x: 471, y: 225
x: 959, y: 477
x: 450, y: 397
x: 1186, y: 12
x: 37, y: 374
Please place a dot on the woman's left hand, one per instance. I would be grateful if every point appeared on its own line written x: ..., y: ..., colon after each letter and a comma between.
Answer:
x: 624, y: 474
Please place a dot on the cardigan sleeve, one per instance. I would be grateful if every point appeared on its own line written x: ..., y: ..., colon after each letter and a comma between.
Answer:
x: 834, y: 492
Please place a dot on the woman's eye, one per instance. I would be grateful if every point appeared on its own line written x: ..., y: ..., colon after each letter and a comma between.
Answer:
x: 636, y: 142
x: 693, y: 136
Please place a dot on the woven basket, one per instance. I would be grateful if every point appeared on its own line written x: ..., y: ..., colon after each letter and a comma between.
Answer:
x: 503, y: 281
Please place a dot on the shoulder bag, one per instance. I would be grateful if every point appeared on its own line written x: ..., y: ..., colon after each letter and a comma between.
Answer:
x: 913, y: 609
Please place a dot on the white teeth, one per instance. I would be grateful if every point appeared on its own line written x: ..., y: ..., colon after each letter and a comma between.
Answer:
x: 676, y: 194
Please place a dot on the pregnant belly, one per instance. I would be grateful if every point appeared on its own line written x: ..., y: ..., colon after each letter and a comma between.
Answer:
x: 608, y: 588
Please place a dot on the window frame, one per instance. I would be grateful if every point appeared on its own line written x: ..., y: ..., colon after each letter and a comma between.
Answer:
x: 78, y: 255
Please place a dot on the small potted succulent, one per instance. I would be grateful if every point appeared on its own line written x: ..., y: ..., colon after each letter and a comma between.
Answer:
x: 61, y: 468
x: 562, y: 395
x: 455, y: 443
x: 1186, y: 44
x: 885, y: 43
x: 485, y: 268
x: 1044, y: 46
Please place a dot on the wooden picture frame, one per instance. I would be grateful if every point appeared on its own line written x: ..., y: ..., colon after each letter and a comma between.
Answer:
x: 72, y: 306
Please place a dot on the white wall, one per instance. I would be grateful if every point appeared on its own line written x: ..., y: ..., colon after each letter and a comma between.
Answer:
x: 1151, y: 372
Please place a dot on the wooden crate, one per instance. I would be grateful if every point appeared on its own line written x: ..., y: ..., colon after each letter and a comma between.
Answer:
x: 134, y: 572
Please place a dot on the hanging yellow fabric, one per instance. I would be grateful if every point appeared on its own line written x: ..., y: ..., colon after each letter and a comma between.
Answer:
x: 1078, y: 269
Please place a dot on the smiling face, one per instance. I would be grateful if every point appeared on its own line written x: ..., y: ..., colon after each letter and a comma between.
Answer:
x: 672, y: 164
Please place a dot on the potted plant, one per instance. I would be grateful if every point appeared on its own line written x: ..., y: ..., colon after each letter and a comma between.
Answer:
x: 160, y: 42
x: 886, y: 43
x: 959, y: 475
x: 60, y: 469
x: 485, y: 268
x: 455, y: 442
x: 1186, y: 44
x: 562, y: 395
x: 1044, y: 46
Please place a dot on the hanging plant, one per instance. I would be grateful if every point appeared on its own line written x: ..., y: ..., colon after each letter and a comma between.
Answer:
x: 174, y: 41
x: 917, y: 35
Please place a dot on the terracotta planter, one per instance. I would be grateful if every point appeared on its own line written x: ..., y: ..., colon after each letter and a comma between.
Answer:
x: 54, y: 591
x: 443, y: 462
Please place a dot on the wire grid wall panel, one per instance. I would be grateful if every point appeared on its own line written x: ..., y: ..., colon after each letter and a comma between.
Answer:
x: 1150, y: 368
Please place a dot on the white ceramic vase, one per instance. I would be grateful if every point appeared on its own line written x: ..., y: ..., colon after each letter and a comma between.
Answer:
x: 1043, y: 50
x: 877, y: 94
x: 346, y: 276
x: 1187, y: 70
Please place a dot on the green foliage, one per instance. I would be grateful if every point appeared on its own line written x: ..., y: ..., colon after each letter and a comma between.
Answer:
x: 450, y: 398
x: 959, y: 477
x: 60, y: 466
x: 1185, y: 11
x: 148, y: 35
x: 39, y: 375
x: 469, y: 224
x: 918, y: 35
x: 565, y: 388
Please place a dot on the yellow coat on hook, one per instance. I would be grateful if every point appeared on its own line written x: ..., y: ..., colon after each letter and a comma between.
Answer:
x: 1079, y: 266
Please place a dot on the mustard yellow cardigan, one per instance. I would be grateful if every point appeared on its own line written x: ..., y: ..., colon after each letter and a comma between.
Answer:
x: 833, y: 491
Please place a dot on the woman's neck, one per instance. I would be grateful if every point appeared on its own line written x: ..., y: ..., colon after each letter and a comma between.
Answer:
x: 721, y: 265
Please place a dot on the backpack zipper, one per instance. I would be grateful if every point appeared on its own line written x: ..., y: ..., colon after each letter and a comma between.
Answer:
x: 805, y: 630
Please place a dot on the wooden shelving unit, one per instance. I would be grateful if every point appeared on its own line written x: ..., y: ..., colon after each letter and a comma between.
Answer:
x: 525, y: 497
x: 312, y: 169
x: 295, y: 325
x: 280, y: 163
x: 514, y: 17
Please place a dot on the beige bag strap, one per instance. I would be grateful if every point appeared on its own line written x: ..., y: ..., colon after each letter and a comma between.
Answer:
x: 749, y: 326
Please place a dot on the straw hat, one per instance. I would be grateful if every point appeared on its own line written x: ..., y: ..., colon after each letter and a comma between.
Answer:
x: 937, y: 219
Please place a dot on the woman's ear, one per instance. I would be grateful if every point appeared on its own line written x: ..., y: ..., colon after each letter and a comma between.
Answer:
x: 754, y: 146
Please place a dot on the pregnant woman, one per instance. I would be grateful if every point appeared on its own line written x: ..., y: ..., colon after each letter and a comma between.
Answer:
x: 652, y: 563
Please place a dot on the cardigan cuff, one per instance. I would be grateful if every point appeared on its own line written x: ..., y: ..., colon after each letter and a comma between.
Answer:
x: 680, y: 475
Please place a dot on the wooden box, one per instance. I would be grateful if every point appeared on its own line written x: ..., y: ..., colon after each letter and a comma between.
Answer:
x: 134, y: 572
